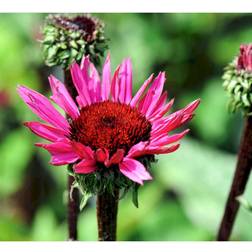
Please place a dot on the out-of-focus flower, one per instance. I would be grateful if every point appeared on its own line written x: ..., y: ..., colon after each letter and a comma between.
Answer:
x: 245, y: 58
x: 238, y: 80
x: 4, y: 98
x: 67, y: 39
x: 111, y: 137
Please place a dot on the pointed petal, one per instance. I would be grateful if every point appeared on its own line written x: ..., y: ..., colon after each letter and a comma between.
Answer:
x: 95, y: 84
x: 134, y: 170
x: 125, y: 82
x: 162, y: 150
x: 101, y: 155
x: 137, y: 149
x: 139, y: 93
x: 63, y: 98
x: 106, y: 82
x: 83, y: 151
x: 42, y: 107
x: 115, y: 85
x: 165, y: 140
x: 116, y: 158
x: 45, y: 131
x: 85, y: 167
x: 81, y: 84
x: 62, y: 152
x: 153, y: 94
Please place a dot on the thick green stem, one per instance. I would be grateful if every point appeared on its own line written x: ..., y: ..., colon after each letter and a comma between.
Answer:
x: 107, y: 207
x: 240, y: 180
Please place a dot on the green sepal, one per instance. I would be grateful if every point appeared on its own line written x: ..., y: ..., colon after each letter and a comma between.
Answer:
x: 245, y: 203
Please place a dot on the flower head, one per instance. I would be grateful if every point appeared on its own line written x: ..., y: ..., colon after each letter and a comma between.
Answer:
x: 245, y: 58
x: 238, y: 80
x: 110, y: 135
x: 67, y: 39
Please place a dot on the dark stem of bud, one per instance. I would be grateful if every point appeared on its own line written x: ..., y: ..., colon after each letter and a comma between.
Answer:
x: 73, y: 202
x: 107, y: 207
x: 240, y: 180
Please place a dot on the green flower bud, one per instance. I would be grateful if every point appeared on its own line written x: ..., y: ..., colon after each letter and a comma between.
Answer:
x: 67, y: 39
x: 238, y: 84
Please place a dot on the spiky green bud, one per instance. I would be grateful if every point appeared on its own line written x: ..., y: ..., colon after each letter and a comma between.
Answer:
x: 67, y: 39
x: 238, y: 84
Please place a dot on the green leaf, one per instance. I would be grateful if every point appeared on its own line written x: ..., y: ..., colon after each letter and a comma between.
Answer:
x: 84, y: 200
x: 135, y: 195
x: 245, y: 203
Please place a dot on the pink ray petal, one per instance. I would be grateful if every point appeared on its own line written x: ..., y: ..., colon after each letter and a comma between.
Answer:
x: 153, y: 94
x: 115, y: 85
x: 85, y: 167
x: 42, y: 107
x: 62, y: 152
x: 106, y: 82
x: 116, y: 158
x: 164, y: 140
x: 125, y: 82
x: 83, y: 151
x: 139, y: 93
x: 134, y: 170
x: 162, y: 150
x: 81, y: 84
x: 63, y: 98
x: 45, y: 131
x: 95, y: 83
x: 101, y: 155
x: 137, y: 149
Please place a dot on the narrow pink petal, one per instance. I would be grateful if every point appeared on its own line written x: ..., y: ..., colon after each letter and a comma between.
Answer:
x: 101, y: 155
x: 169, y: 123
x: 63, y: 98
x: 106, y: 82
x: 153, y: 94
x: 162, y: 150
x: 165, y: 140
x: 162, y: 111
x: 95, y: 83
x: 134, y: 170
x: 45, y: 131
x: 125, y: 82
x: 42, y: 107
x: 115, y: 85
x: 85, y: 167
x: 81, y: 84
x: 62, y: 152
x: 116, y: 158
x: 189, y: 109
x: 83, y: 151
x: 139, y: 93
x: 137, y: 149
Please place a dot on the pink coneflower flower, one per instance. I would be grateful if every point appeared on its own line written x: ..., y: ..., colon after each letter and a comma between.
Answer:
x: 107, y: 127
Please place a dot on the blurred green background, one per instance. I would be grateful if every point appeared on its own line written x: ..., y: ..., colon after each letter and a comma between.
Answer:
x: 186, y: 199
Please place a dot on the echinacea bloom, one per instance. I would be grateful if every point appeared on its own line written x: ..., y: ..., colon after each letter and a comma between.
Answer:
x: 245, y: 58
x: 107, y: 127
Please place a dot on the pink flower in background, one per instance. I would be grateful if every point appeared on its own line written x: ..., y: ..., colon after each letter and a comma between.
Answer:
x: 107, y: 126
x: 245, y: 58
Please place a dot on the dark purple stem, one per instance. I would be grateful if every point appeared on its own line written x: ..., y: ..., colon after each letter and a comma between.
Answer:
x: 73, y: 202
x: 240, y: 180
x: 107, y: 207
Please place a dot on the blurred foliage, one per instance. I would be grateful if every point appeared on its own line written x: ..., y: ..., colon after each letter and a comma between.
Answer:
x: 186, y: 199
